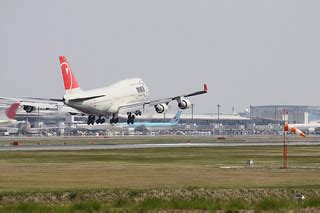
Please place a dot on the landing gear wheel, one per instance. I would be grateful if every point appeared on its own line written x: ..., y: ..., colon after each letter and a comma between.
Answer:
x: 114, y: 119
x: 130, y: 119
x: 138, y: 112
x: 100, y: 120
x: 91, y: 119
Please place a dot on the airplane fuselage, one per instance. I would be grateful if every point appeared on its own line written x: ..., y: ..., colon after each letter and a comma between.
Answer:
x: 108, y: 99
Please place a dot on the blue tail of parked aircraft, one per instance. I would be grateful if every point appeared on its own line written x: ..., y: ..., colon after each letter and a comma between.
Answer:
x: 173, y: 122
x: 176, y: 118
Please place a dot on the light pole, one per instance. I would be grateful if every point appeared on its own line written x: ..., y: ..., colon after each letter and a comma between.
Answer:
x: 219, y: 118
x: 218, y: 112
x: 192, y: 105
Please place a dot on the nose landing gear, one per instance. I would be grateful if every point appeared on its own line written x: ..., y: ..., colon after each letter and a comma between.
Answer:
x: 130, y: 118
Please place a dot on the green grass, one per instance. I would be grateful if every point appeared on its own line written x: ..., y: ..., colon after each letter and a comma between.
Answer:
x: 166, y: 167
x: 155, y: 203
x: 148, y: 139
x: 263, y: 156
x: 267, y: 204
x: 167, y: 178
x: 88, y: 206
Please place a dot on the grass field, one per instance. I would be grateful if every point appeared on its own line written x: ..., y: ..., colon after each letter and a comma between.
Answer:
x: 148, y: 139
x: 120, y: 177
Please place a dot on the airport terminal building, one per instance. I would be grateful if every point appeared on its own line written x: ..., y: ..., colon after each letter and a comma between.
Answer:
x: 291, y: 113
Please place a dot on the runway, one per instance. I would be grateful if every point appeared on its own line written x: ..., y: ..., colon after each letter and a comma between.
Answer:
x: 75, y: 147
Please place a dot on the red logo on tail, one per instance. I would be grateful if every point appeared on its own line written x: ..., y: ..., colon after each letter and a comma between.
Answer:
x: 69, y: 80
x: 12, y: 111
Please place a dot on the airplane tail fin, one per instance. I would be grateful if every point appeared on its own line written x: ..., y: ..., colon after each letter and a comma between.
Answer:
x: 70, y: 83
x: 176, y: 118
x: 12, y: 111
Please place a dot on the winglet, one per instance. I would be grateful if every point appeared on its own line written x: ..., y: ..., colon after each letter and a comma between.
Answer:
x: 205, y: 88
x: 12, y: 111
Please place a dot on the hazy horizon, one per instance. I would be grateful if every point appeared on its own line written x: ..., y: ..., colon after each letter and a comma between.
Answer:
x: 248, y: 52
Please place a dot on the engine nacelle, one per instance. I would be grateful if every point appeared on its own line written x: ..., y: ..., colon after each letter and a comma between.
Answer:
x: 184, y: 103
x: 28, y: 109
x: 161, y: 108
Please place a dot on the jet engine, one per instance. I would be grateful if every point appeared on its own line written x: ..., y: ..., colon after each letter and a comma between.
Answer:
x: 28, y: 108
x: 161, y: 108
x: 183, y: 103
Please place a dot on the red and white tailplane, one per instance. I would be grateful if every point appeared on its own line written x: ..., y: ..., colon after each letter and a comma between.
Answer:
x: 12, y: 111
x: 70, y: 83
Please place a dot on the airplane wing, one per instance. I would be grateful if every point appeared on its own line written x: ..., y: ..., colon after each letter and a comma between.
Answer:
x: 177, y: 98
x: 162, y: 103
x: 32, y: 104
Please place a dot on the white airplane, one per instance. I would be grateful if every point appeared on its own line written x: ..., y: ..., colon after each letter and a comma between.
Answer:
x: 8, y: 115
x: 33, y: 104
x: 105, y: 102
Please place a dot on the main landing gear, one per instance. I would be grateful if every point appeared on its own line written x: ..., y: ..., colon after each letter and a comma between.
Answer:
x: 132, y: 116
x: 114, y: 119
x: 92, y: 119
x: 100, y: 120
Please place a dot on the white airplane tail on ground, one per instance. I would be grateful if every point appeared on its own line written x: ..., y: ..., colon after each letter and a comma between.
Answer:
x: 8, y: 115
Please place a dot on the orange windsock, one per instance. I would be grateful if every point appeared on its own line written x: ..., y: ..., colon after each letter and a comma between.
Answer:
x: 289, y: 128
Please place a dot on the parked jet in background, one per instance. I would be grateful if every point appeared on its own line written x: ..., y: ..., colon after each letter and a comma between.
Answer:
x: 105, y: 102
x: 34, y: 104
x: 8, y: 115
x: 157, y: 125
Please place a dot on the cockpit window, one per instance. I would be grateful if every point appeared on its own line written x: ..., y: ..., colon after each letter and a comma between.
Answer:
x: 140, y: 89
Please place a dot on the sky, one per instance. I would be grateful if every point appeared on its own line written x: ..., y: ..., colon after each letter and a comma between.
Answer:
x: 248, y: 52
